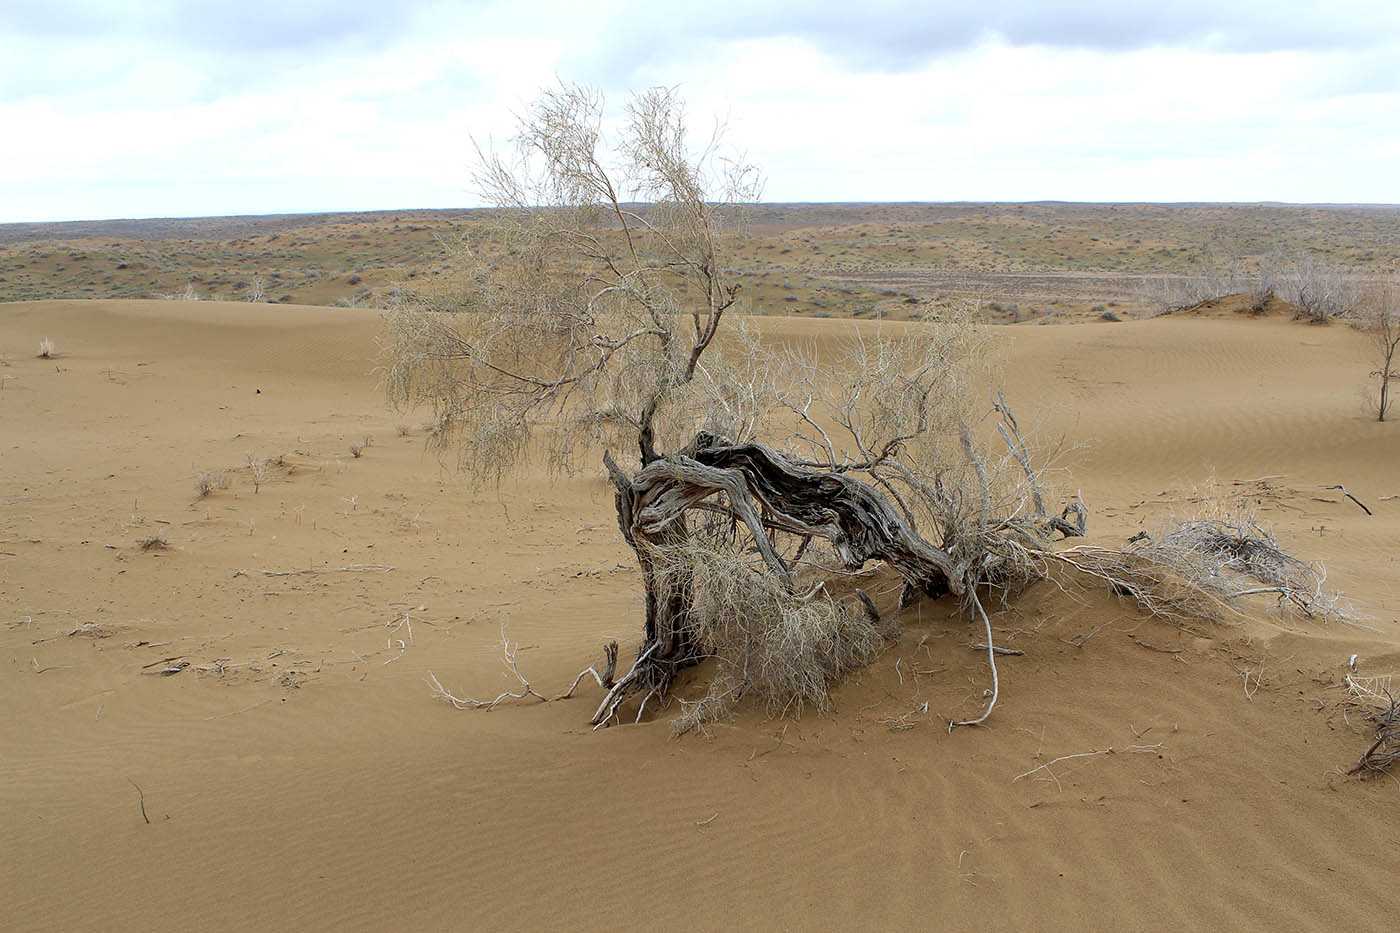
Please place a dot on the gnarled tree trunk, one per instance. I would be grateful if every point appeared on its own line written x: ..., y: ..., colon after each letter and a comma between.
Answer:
x: 761, y: 488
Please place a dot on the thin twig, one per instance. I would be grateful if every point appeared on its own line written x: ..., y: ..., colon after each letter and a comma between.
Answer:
x: 1013, y: 652
x: 1101, y: 751
x: 352, y: 568
x: 142, y: 796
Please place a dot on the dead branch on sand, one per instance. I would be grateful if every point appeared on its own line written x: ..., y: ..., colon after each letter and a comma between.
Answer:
x: 352, y: 568
x: 1101, y: 751
x: 508, y: 650
x: 1202, y: 568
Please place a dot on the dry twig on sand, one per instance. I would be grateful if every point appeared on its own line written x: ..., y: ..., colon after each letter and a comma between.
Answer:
x: 1101, y: 751
x: 604, y: 679
x: 1344, y: 492
x: 352, y: 568
x: 142, y: 797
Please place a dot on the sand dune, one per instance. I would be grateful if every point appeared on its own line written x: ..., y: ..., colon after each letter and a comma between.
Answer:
x: 295, y: 771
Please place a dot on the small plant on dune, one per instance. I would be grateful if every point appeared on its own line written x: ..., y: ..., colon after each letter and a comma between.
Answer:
x: 1379, y: 319
x: 153, y: 542
x: 401, y: 430
x: 258, y: 470
x: 46, y: 349
x: 206, y: 483
x: 357, y: 449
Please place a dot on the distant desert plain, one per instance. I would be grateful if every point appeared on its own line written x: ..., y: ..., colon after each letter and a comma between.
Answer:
x: 227, y: 568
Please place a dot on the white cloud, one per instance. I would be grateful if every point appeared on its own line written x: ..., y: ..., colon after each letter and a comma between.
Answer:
x: 356, y: 105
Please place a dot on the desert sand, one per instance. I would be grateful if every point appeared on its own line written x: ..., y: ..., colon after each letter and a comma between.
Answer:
x: 230, y: 729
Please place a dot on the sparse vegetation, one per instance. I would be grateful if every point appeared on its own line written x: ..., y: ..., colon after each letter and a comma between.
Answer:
x: 46, y: 349
x: 1373, y: 699
x: 206, y: 483
x: 580, y: 337
x: 153, y: 542
x: 258, y: 470
x: 1379, y: 319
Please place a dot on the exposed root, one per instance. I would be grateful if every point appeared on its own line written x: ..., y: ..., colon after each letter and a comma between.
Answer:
x: 991, y: 662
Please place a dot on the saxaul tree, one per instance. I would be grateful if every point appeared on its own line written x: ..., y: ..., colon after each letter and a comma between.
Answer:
x: 757, y: 484
x: 1379, y: 319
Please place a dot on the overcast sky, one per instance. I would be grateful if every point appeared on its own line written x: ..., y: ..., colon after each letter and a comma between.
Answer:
x: 141, y: 108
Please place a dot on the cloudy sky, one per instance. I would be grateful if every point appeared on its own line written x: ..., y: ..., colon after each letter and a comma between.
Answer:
x: 140, y: 108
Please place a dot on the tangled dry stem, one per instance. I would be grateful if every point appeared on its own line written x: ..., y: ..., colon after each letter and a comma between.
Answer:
x: 1373, y: 697
x: 1203, y: 568
x: 767, y: 643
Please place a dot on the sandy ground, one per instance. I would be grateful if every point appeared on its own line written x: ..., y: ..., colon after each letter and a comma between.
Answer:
x: 233, y: 730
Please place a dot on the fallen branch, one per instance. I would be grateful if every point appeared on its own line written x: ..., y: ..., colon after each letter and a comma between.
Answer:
x: 1101, y: 751
x: 1343, y: 490
x: 603, y: 677
x: 1012, y: 652
x: 353, y: 568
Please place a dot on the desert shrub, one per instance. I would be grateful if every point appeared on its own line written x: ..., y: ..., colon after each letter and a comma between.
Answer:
x: 1373, y: 699
x: 153, y: 542
x: 46, y: 349
x: 768, y: 644
x: 258, y: 470
x: 1378, y: 317
x: 206, y: 483
x: 1203, y: 567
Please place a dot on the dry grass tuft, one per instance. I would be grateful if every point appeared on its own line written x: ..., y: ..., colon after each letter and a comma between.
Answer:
x: 46, y: 349
x: 206, y: 483
x: 154, y: 542
x: 783, y: 650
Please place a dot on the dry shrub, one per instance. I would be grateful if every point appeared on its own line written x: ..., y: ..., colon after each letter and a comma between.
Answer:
x: 1372, y: 697
x: 783, y: 650
x: 1203, y: 567
x: 46, y: 349
x: 154, y: 542
x: 206, y: 483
